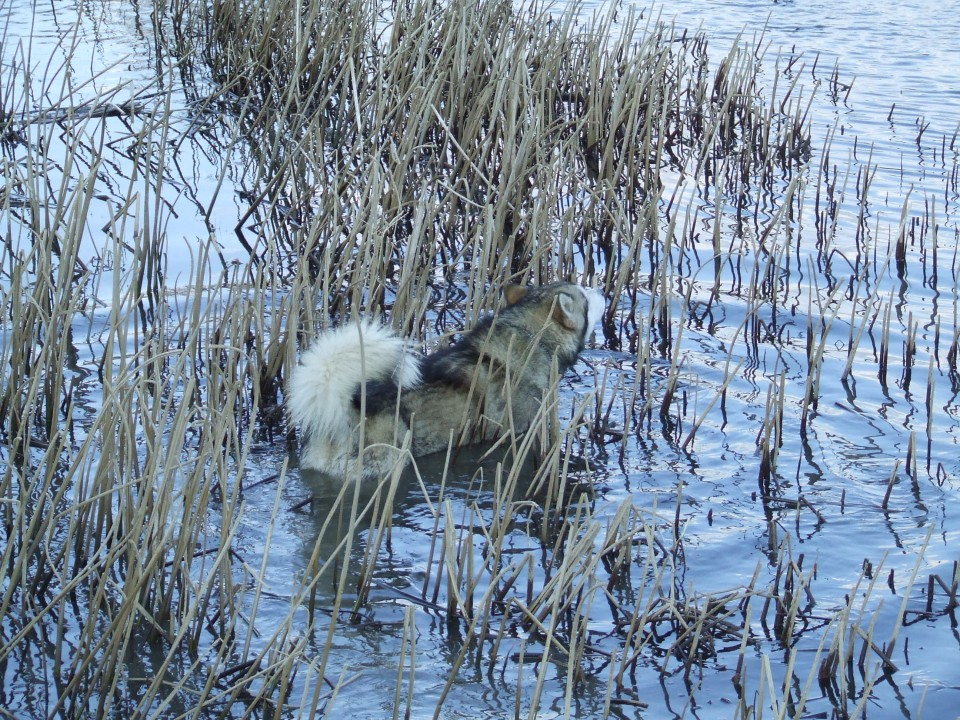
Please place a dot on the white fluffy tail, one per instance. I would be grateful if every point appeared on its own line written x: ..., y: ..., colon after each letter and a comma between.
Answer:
x: 321, y: 388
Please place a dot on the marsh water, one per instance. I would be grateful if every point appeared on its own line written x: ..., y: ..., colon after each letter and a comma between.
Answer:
x: 863, y: 500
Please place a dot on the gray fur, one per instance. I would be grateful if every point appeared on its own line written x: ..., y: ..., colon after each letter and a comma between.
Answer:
x: 490, y: 382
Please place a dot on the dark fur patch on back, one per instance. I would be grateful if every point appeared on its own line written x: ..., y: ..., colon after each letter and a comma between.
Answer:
x: 452, y: 366
x: 381, y: 396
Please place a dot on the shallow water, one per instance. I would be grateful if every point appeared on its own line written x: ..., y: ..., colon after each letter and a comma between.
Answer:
x: 842, y: 467
x: 896, y: 68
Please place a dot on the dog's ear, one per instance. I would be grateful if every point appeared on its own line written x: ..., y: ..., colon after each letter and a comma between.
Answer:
x: 565, y: 311
x: 514, y: 293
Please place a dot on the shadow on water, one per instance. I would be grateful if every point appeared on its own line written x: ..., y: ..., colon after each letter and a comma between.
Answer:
x: 466, y: 487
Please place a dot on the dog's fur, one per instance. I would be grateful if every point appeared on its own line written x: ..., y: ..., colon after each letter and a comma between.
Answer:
x: 489, y: 383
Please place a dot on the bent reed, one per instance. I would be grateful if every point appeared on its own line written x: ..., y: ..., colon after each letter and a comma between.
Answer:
x: 408, y: 160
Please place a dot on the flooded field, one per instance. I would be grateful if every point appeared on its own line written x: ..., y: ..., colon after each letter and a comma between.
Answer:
x: 741, y: 503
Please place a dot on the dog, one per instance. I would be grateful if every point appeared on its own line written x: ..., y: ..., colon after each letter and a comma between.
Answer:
x: 359, y: 386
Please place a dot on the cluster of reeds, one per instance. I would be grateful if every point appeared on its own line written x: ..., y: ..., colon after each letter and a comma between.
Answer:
x: 849, y: 658
x: 463, y: 136
x: 122, y: 415
x: 407, y: 159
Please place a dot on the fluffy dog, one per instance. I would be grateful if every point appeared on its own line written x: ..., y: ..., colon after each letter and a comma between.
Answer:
x: 360, y: 386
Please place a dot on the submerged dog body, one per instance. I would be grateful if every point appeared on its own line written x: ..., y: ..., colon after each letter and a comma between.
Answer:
x: 489, y: 383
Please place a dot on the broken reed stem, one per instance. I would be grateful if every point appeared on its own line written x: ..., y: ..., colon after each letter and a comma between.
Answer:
x: 890, y: 482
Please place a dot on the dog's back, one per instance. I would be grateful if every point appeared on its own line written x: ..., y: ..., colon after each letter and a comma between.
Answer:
x: 491, y: 382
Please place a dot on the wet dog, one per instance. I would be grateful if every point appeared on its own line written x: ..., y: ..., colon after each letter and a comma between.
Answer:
x: 360, y: 386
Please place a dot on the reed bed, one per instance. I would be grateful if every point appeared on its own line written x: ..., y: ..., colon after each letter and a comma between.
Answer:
x: 408, y: 160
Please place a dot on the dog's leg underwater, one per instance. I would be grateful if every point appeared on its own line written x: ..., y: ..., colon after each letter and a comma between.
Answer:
x: 324, y: 391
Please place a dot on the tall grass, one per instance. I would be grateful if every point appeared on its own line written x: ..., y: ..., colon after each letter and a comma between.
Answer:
x: 406, y: 160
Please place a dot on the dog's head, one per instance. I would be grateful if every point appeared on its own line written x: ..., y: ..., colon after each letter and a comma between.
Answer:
x: 564, y: 311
